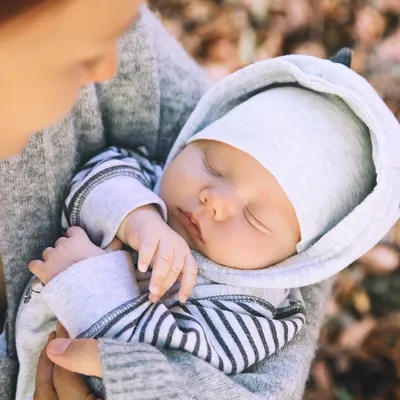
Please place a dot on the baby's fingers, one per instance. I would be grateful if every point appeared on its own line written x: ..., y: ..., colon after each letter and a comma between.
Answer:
x: 36, y: 267
x: 161, y: 267
x: 173, y: 273
x: 188, y: 279
x: 147, y: 249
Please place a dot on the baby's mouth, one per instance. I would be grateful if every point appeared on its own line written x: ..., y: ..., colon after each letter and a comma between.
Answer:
x: 191, y: 224
x: 194, y: 222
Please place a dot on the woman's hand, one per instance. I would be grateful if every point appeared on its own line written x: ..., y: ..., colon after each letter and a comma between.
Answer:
x: 72, y: 358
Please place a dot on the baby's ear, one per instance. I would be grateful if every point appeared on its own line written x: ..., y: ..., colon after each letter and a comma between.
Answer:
x: 343, y: 56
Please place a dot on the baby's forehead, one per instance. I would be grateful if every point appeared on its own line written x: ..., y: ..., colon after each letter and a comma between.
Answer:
x: 243, y: 169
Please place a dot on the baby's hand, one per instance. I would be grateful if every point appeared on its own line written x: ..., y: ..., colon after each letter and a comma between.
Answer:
x: 162, y: 248
x: 69, y: 250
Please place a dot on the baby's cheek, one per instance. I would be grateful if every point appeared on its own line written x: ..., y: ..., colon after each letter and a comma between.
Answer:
x: 224, y: 249
x: 242, y: 250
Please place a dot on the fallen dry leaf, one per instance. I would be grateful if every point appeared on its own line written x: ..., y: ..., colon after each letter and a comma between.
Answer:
x: 354, y: 336
x: 381, y: 260
x: 388, y: 50
x: 369, y: 26
x: 322, y: 376
x: 361, y: 301
x: 299, y: 14
x: 332, y: 307
x: 310, y: 48
x: 217, y: 71
x: 221, y: 50
x: 391, y: 6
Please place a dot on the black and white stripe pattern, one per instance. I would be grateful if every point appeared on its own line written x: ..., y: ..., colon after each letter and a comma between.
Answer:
x: 111, y: 163
x: 231, y: 333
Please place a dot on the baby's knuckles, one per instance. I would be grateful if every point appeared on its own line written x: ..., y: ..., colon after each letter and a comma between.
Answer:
x: 135, y: 222
x: 66, y: 253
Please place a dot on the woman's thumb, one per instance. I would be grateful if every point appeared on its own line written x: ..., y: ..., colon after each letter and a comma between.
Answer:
x: 76, y: 355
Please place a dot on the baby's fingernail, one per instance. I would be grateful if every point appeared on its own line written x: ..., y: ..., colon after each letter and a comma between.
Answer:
x: 142, y: 267
x: 182, y: 298
x: 58, y: 346
x: 154, y: 289
x: 153, y: 299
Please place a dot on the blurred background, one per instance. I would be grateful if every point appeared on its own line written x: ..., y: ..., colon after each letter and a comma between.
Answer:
x: 359, y: 353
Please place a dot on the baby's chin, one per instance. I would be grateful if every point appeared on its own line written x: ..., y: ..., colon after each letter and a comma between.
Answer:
x: 227, y: 260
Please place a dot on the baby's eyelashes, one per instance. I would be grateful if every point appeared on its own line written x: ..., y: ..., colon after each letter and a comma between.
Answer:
x: 209, y: 167
x: 255, y: 222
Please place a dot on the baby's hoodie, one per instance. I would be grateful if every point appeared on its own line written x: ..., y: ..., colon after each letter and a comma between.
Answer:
x: 234, y: 318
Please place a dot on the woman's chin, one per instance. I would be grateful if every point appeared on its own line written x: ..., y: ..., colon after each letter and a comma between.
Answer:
x: 9, y: 149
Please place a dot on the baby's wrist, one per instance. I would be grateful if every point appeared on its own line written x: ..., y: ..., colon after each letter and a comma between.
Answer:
x: 135, y: 219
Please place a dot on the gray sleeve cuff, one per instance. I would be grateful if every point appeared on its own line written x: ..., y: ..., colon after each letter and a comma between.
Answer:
x: 87, y: 291
x: 107, y: 205
x: 138, y: 371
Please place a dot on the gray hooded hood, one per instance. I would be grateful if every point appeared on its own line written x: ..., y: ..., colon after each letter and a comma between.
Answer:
x: 360, y: 230
x: 242, y: 317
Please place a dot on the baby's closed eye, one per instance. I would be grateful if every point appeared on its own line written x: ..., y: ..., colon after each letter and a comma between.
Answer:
x: 255, y: 222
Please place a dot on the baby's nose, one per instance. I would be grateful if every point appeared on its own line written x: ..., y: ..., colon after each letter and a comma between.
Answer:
x: 221, y: 203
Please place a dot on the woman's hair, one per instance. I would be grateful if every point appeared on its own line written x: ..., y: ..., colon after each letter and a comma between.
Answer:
x: 10, y: 9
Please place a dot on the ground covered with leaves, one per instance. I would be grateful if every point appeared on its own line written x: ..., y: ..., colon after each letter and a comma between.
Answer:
x: 359, y: 354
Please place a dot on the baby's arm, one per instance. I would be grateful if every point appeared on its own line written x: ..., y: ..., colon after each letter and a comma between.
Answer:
x: 119, y: 183
x: 155, y: 241
x: 96, y: 296
x: 107, y: 188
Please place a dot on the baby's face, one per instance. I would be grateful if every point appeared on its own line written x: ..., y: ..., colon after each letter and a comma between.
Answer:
x: 228, y: 207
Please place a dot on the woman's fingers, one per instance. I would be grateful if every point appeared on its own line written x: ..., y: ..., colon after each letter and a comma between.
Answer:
x: 56, y: 383
x: 44, y: 387
x: 61, y: 332
x: 78, y: 355
x: 188, y: 279
x: 70, y: 385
